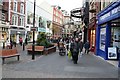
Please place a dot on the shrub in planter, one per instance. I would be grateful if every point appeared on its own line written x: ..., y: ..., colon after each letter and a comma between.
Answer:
x: 42, y: 41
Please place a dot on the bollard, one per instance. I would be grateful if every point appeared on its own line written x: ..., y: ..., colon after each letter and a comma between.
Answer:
x: 33, y: 52
x: 3, y: 45
x: 23, y: 46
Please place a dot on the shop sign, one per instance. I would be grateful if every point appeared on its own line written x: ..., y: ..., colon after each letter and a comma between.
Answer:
x: 109, y: 15
x: 115, y: 10
x: 41, y: 30
x: 112, y: 53
x: 34, y: 28
x: 105, y: 16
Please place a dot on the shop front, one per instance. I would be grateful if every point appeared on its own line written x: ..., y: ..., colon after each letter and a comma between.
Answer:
x: 92, y: 34
x: 15, y: 34
x: 108, y: 32
x: 3, y: 32
x: 57, y: 30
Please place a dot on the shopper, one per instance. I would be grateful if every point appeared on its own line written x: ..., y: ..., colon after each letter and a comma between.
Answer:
x: 87, y: 46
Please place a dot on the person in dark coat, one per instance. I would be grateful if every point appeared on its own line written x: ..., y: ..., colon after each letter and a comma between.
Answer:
x: 20, y: 41
x: 11, y: 43
x: 87, y: 46
x: 26, y: 41
x: 81, y: 46
x: 67, y: 44
x: 71, y: 47
x: 75, y: 50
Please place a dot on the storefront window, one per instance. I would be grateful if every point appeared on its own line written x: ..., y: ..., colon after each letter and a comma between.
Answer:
x: 102, y: 38
x: 92, y: 37
x: 115, y: 37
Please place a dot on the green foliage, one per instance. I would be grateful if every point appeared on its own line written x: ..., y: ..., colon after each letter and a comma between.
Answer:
x: 42, y: 41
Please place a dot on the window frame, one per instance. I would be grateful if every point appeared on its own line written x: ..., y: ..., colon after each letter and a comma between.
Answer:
x: 15, y: 5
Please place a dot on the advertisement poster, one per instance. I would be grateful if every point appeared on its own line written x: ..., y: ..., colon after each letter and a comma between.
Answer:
x: 102, y: 38
x: 112, y: 53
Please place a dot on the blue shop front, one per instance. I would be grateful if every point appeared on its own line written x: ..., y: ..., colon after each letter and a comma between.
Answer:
x: 108, y: 32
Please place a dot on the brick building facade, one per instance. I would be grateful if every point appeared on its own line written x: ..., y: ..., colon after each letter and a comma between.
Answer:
x: 57, y: 22
x: 17, y: 19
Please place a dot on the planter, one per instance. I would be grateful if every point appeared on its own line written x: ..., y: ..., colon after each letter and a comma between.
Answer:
x: 49, y: 50
x: 42, y: 50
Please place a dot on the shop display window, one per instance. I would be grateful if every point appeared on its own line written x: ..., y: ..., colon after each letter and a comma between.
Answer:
x: 115, y: 37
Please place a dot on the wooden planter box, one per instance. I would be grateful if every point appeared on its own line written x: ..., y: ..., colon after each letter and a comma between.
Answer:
x: 49, y: 50
x: 41, y: 50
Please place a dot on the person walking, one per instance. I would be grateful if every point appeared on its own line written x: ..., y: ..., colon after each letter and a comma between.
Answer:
x: 8, y: 43
x: 81, y: 46
x: 71, y: 45
x: 87, y: 46
x: 67, y: 44
x: 26, y: 42
x: 75, y: 50
x: 11, y: 43
x: 21, y: 41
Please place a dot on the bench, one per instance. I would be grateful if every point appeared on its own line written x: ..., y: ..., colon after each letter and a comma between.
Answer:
x: 8, y: 53
x: 37, y: 49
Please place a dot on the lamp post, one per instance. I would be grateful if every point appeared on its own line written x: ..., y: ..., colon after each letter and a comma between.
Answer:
x: 33, y: 46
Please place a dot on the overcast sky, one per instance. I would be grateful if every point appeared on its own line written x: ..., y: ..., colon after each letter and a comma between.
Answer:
x: 65, y: 4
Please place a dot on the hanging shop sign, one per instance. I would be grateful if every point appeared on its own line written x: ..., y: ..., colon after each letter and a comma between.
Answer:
x: 34, y: 28
x: 41, y: 30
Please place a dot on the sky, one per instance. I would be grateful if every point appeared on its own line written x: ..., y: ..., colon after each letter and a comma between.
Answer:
x: 67, y: 5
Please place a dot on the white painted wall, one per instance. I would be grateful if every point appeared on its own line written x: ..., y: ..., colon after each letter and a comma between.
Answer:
x: 44, y: 10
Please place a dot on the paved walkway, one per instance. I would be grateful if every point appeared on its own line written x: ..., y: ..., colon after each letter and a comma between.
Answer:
x: 55, y: 66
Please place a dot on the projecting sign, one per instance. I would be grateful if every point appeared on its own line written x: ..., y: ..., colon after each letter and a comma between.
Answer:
x: 34, y: 28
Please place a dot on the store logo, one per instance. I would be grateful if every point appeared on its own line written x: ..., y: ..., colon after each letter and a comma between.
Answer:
x: 105, y: 16
x: 117, y: 9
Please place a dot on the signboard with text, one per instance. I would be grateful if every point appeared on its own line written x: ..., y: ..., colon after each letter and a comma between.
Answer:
x: 41, y: 30
x: 34, y: 28
x: 110, y: 13
x: 112, y: 53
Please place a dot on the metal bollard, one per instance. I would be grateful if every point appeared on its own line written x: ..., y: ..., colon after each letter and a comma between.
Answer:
x: 3, y: 45
x: 23, y: 46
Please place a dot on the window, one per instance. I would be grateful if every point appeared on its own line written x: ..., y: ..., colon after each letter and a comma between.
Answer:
x: 15, y: 6
x: 40, y: 21
x: 27, y: 26
x: 22, y: 8
x: 3, y: 16
x: 1, y: 1
x: 21, y: 21
x: 14, y: 20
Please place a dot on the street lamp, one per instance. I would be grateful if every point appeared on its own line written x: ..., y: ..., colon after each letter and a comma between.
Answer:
x: 33, y: 46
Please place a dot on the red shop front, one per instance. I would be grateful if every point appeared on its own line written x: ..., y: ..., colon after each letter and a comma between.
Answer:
x: 92, y: 34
